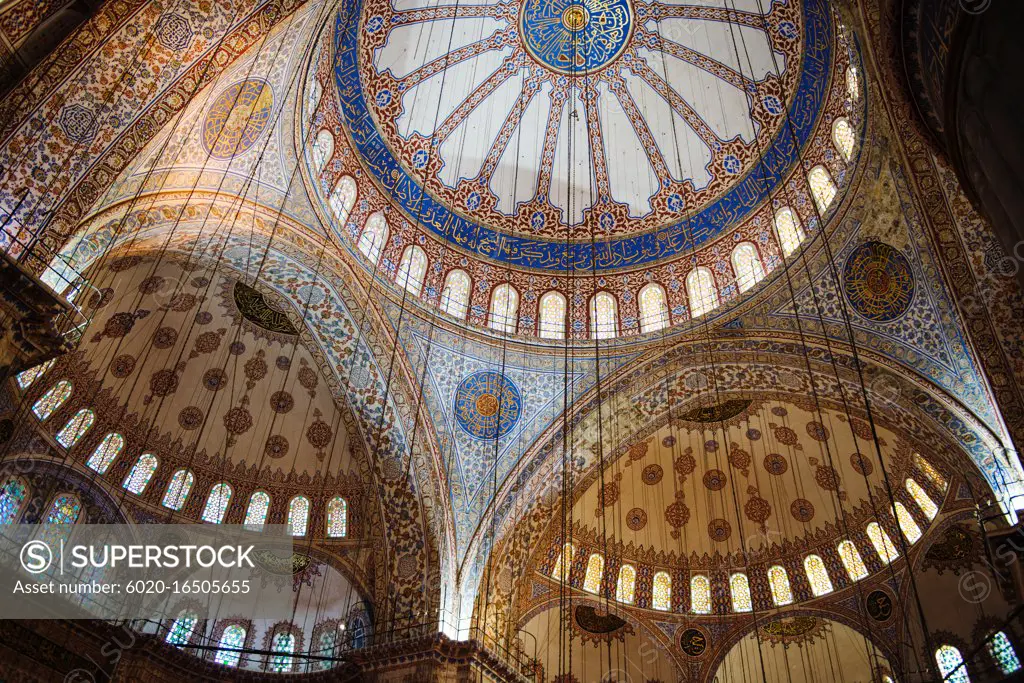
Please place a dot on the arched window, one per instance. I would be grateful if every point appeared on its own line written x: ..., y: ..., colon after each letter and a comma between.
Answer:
x: 12, y: 497
x: 337, y: 517
x: 358, y: 631
x: 852, y: 560
x: 923, y: 500
x: 1002, y: 652
x: 951, y: 664
x: 181, y: 629
x: 142, y: 471
x: 603, y: 316
x: 843, y: 137
x: 747, y: 266
x: 504, y: 309
x: 217, y: 503
x: 298, y: 515
x: 700, y: 594
x: 52, y: 399
x: 653, y: 308
x: 283, y: 646
x: 256, y: 513
x: 552, y: 316
x: 930, y: 472
x: 661, y: 592
x: 374, y: 237
x: 105, y: 452
x: 788, y: 230
x: 313, y: 95
x: 625, y: 587
x: 595, y: 572
x: 778, y: 581
x: 412, y: 269
x: 739, y: 587
x: 327, y: 645
x: 852, y: 83
x: 28, y: 377
x: 64, y: 510
x: 563, y: 563
x: 822, y: 188
x: 231, y: 641
x: 76, y: 428
x: 343, y: 199
x: 906, y: 522
x: 323, y: 149
x: 883, y: 544
x: 177, y: 491
x: 817, y: 575
x: 700, y: 288
x: 455, y: 295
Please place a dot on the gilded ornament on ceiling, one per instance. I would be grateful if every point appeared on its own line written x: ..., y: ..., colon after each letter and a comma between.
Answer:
x: 254, y: 307
x: 600, y: 626
x: 694, y: 642
x: 720, y: 412
x: 878, y: 281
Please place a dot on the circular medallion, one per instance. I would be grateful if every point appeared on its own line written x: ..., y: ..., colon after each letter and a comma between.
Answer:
x: 879, y: 605
x: 575, y: 36
x: 237, y: 117
x: 878, y: 281
x: 487, y: 405
x: 636, y: 519
x: 775, y: 464
x: 693, y: 642
x: 802, y: 510
x: 652, y: 474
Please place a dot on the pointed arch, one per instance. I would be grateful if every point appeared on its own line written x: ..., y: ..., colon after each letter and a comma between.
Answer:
x: 778, y: 581
x: 661, y: 592
x: 625, y: 587
x: 76, y: 428
x: 256, y: 512
x: 553, y: 308
x: 412, y: 269
x: 105, y: 453
x: 323, y: 149
x: 217, y: 503
x: 53, y: 399
x: 374, y: 236
x: 298, y: 515
x: 653, y: 308
x: 701, y: 291
x: 343, y: 198
x: 595, y: 572
x: 504, y: 316
x: 455, y: 295
x: 337, y: 517
x: 843, y: 137
x: 178, y: 489
x: 140, y: 474
x: 823, y: 190
x: 746, y: 264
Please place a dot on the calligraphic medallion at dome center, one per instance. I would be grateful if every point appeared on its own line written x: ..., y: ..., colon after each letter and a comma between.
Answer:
x: 237, y: 117
x: 575, y: 36
x: 487, y: 405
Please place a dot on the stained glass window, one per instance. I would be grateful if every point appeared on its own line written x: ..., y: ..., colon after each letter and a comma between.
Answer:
x: 552, y: 316
x: 177, y: 491
x: 217, y: 503
x: 282, y: 647
x: 929, y: 471
x: 595, y: 572
x: 105, y: 452
x: 323, y: 149
x: 883, y: 544
x: 327, y: 646
x: 28, y: 377
x: 852, y: 560
x: 778, y: 580
x: 923, y: 500
x: 12, y: 495
x: 700, y: 287
x: 298, y: 515
x: 455, y: 296
x: 661, y: 592
x: 843, y: 137
x: 563, y: 561
x: 374, y: 237
x: 700, y: 594
x: 653, y: 308
x: 256, y: 513
x: 76, y: 428
x: 817, y: 575
x: 603, y: 317
x: 625, y: 588
x: 232, y: 640
x: 64, y: 510
x: 951, y: 664
x: 852, y: 83
x: 412, y: 269
x: 1001, y: 650
x: 181, y: 629
x: 906, y: 522
x: 141, y: 473
x: 52, y: 399
x: 337, y: 517
x: 504, y: 309
x: 822, y: 188
x: 747, y: 266
x: 739, y: 587
x: 343, y: 198
x: 788, y: 230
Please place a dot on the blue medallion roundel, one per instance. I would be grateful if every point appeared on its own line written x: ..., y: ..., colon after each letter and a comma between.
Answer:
x: 575, y: 36
x: 879, y: 281
x: 487, y: 405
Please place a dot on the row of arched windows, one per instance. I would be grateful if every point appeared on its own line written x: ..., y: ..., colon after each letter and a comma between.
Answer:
x: 778, y: 579
x: 954, y: 669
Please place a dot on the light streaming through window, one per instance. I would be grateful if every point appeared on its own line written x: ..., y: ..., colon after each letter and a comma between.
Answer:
x: 142, y: 471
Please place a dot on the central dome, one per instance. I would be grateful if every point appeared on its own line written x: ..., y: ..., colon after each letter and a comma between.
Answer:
x: 573, y: 37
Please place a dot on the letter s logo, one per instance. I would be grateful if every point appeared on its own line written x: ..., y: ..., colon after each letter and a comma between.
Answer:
x: 36, y: 557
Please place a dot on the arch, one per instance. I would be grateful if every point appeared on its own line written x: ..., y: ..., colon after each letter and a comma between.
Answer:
x: 700, y: 594
x: 595, y: 572
x: 323, y: 149
x: 65, y: 509
x: 412, y: 269
x: 823, y: 190
x: 313, y: 95
x: 852, y: 560
x: 374, y: 236
x: 105, y: 453
x: 843, y: 137
x: 930, y: 473
x: 905, y: 521
x: 603, y: 316
x: 701, y: 291
x: 282, y: 647
x: 76, y: 428
x: 337, y: 517
x: 455, y: 295
x: 883, y: 544
x: 817, y: 575
x: 26, y: 378
x: 298, y: 515
x: 923, y: 500
x: 343, y: 198
x: 778, y: 581
x: 553, y: 308
x: 53, y: 399
x: 217, y: 503
x: 563, y: 563
x: 140, y: 474
x: 852, y: 83
x: 504, y: 315
x: 788, y: 230
x: 181, y: 630
x: 661, y: 592
x: 625, y: 587
x: 13, y: 494
x: 256, y: 512
x: 653, y: 308
x: 739, y: 589
x: 1000, y: 649
x: 232, y: 640
x: 178, y: 490
x: 951, y: 664
x: 746, y: 264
